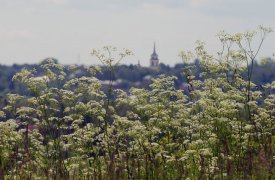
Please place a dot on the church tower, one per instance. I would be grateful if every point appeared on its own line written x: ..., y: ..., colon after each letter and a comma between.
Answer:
x: 154, y: 61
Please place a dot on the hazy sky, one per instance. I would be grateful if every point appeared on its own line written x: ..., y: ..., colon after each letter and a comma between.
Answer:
x: 31, y: 30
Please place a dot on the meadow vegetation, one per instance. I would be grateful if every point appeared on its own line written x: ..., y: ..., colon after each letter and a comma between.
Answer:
x: 222, y: 127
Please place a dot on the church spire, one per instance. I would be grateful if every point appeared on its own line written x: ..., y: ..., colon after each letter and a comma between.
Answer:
x: 154, y: 47
x: 139, y: 65
x: 154, y: 61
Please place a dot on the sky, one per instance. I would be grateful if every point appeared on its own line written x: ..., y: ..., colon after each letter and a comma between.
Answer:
x: 32, y: 30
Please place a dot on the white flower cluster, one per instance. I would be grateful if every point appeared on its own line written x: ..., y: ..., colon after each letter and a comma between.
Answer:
x: 222, y: 126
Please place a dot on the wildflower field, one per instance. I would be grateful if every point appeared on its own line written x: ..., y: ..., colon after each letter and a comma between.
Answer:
x: 222, y: 127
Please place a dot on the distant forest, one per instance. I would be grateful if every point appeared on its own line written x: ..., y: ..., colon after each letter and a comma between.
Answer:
x: 127, y: 76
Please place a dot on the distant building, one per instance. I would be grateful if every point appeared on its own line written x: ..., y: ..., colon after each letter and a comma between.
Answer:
x: 154, y: 61
x: 139, y: 65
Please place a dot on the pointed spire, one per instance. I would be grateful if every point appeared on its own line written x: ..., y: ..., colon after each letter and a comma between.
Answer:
x: 154, y: 47
x: 154, y: 61
x: 139, y: 63
x: 154, y: 55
